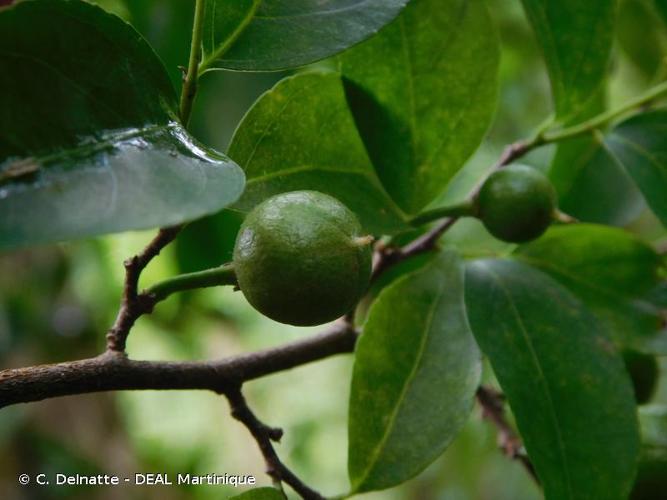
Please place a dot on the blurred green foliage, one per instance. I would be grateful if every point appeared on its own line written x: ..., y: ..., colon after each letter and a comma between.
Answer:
x: 56, y: 303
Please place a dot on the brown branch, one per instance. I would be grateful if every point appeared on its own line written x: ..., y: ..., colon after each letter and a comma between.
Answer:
x: 493, y: 410
x: 112, y: 371
x: 264, y: 435
x: 133, y: 304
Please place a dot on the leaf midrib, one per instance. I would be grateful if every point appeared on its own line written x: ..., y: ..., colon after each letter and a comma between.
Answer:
x: 408, y: 382
x: 544, y: 383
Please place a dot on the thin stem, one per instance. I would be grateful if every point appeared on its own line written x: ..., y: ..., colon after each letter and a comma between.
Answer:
x: 190, y: 81
x: 464, y: 209
x: 218, y: 276
x: 264, y: 435
x: 604, y: 118
x: 133, y: 305
x: 509, y: 442
x: 229, y: 41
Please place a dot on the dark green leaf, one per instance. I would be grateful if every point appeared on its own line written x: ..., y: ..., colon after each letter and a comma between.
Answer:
x: 576, y: 39
x: 639, y: 33
x: 260, y: 35
x: 564, y: 381
x: 610, y: 270
x: 260, y: 494
x: 90, y: 142
x: 424, y: 104
x: 639, y: 145
x: 662, y: 8
x: 415, y: 375
x: 208, y: 242
x: 301, y: 135
x: 167, y: 25
x: 591, y: 186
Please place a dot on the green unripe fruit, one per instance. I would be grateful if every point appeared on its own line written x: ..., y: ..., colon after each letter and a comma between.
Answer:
x: 301, y: 258
x: 517, y: 203
x: 644, y: 372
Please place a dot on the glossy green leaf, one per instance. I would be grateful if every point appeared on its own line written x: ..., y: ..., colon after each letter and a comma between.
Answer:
x: 576, y: 39
x: 90, y: 142
x: 416, y: 371
x: 639, y: 145
x: 662, y: 8
x: 610, y: 270
x: 424, y: 104
x: 591, y: 186
x: 261, y: 35
x: 301, y: 135
x: 564, y: 381
x: 260, y: 494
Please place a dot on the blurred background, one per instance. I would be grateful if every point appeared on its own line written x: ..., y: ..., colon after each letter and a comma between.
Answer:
x: 56, y: 303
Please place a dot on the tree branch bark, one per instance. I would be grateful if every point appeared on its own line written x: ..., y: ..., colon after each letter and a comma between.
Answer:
x: 113, y: 371
x: 509, y: 442
x: 264, y: 435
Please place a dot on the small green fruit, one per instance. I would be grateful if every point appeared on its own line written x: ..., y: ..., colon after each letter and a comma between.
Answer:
x: 516, y: 204
x: 644, y: 372
x: 301, y: 258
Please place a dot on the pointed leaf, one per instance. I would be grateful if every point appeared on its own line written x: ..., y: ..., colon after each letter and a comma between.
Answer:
x: 415, y: 375
x: 639, y: 145
x: 300, y: 135
x: 89, y: 142
x: 260, y: 35
x: 564, y: 381
x: 576, y: 39
x: 426, y: 101
x: 610, y: 270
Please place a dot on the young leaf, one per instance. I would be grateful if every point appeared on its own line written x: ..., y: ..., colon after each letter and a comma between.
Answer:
x: 300, y: 135
x: 639, y: 145
x: 564, y: 381
x: 415, y: 375
x: 267, y: 493
x: 576, y: 39
x: 610, y: 270
x: 90, y: 142
x: 265, y: 35
x: 424, y: 104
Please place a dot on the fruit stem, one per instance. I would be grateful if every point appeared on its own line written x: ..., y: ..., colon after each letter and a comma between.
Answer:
x: 217, y: 276
x: 362, y: 241
x: 563, y: 218
x: 467, y: 208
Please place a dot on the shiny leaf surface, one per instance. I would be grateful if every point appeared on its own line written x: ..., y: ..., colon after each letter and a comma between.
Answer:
x: 91, y: 142
x: 261, y: 35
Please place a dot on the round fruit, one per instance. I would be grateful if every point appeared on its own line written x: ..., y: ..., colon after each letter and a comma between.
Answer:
x: 516, y: 204
x: 644, y: 372
x: 301, y: 258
